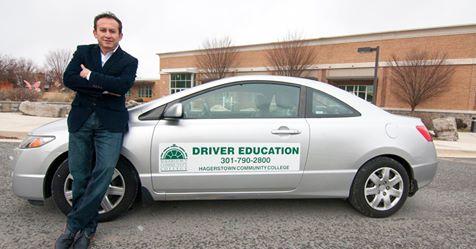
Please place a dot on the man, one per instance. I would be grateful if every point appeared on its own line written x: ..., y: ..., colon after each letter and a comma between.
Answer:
x: 101, y: 74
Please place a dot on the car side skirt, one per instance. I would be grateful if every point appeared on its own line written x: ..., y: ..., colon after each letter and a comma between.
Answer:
x: 314, y: 184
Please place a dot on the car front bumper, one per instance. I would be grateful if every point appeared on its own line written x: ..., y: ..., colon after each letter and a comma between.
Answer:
x: 29, y: 168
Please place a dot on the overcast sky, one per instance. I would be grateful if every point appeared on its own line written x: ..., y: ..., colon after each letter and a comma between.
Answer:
x: 31, y: 28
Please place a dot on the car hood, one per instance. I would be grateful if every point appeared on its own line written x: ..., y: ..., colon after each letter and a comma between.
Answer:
x: 58, y: 126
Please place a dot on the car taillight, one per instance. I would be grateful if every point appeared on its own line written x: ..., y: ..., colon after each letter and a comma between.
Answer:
x: 424, y: 132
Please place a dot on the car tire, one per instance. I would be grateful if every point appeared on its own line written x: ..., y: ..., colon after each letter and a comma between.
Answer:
x: 380, y: 188
x: 124, y: 175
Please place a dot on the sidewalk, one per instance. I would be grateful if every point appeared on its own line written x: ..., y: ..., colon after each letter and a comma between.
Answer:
x: 15, y: 126
x: 464, y: 147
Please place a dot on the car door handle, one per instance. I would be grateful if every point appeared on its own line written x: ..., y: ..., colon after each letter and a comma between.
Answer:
x: 289, y: 132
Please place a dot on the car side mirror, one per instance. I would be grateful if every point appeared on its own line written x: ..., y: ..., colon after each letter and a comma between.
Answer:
x: 174, y: 112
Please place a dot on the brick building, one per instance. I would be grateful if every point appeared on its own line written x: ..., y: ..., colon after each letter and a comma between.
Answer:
x: 339, y: 63
x: 143, y: 90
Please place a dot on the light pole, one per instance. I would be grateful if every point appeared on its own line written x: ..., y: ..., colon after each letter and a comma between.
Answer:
x: 369, y: 50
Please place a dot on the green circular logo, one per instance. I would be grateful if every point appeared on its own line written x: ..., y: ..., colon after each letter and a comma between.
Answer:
x: 174, y: 152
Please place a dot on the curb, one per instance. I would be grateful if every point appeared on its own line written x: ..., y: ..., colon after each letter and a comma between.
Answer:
x: 10, y: 140
x: 8, y: 135
x: 455, y: 153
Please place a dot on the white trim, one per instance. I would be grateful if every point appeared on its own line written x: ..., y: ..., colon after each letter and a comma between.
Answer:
x: 179, y: 70
x: 183, y: 173
x: 251, y: 69
x: 345, y: 171
x: 466, y: 61
x: 345, y: 65
x: 39, y: 176
x: 389, y: 35
x: 207, y: 195
x: 431, y: 110
x: 147, y: 79
x: 461, y: 61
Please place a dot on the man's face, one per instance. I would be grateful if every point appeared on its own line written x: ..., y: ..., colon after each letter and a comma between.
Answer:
x: 107, y: 34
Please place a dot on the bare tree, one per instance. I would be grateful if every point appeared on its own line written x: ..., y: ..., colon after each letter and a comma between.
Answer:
x: 7, y: 69
x: 216, y: 58
x: 420, y: 75
x: 291, y: 56
x: 20, y: 72
x: 56, y: 63
x: 25, y: 69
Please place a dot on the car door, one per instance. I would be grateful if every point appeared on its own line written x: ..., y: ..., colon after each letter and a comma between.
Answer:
x: 336, y: 132
x: 247, y: 136
x: 338, y: 136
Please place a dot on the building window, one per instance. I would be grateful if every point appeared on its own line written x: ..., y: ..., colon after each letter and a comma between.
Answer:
x: 145, y: 91
x: 128, y: 93
x: 180, y: 82
x: 363, y: 91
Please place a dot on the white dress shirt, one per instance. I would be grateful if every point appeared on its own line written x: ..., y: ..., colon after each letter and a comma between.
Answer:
x: 104, y: 59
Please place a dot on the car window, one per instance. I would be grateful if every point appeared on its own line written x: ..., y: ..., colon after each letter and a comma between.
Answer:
x: 323, y: 105
x: 250, y: 100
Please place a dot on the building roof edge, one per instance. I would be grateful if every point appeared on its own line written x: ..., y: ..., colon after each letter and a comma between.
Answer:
x: 384, y: 35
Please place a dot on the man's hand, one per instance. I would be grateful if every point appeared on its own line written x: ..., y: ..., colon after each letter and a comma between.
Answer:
x: 84, y: 72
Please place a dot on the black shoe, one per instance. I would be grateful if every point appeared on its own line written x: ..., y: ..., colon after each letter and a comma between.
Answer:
x: 83, y: 241
x: 65, y: 240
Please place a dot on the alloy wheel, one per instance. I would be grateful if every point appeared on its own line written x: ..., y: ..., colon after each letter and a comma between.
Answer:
x: 383, y: 188
x: 112, y: 198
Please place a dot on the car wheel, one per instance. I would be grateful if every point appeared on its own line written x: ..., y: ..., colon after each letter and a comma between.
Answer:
x: 380, y: 188
x: 118, y: 199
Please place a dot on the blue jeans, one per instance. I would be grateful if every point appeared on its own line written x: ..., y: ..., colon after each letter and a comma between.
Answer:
x: 90, y: 182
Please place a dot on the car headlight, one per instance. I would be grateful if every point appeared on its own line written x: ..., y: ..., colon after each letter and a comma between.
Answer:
x: 35, y: 141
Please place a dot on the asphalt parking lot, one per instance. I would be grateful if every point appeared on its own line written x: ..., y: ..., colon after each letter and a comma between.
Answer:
x: 441, y: 215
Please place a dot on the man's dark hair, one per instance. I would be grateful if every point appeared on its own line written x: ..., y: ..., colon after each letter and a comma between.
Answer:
x: 108, y: 15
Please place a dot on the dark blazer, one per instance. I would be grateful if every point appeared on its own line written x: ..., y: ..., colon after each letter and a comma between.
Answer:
x: 117, y: 77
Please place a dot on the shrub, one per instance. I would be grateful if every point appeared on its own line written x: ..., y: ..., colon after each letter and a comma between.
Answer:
x: 460, y: 125
x: 19, y: 94
x: 58, y: 96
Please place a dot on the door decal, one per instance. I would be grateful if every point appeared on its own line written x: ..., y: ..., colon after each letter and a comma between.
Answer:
x: 229, y: 157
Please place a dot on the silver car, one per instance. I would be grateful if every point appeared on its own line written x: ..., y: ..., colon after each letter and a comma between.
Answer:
x: 246, y: 137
